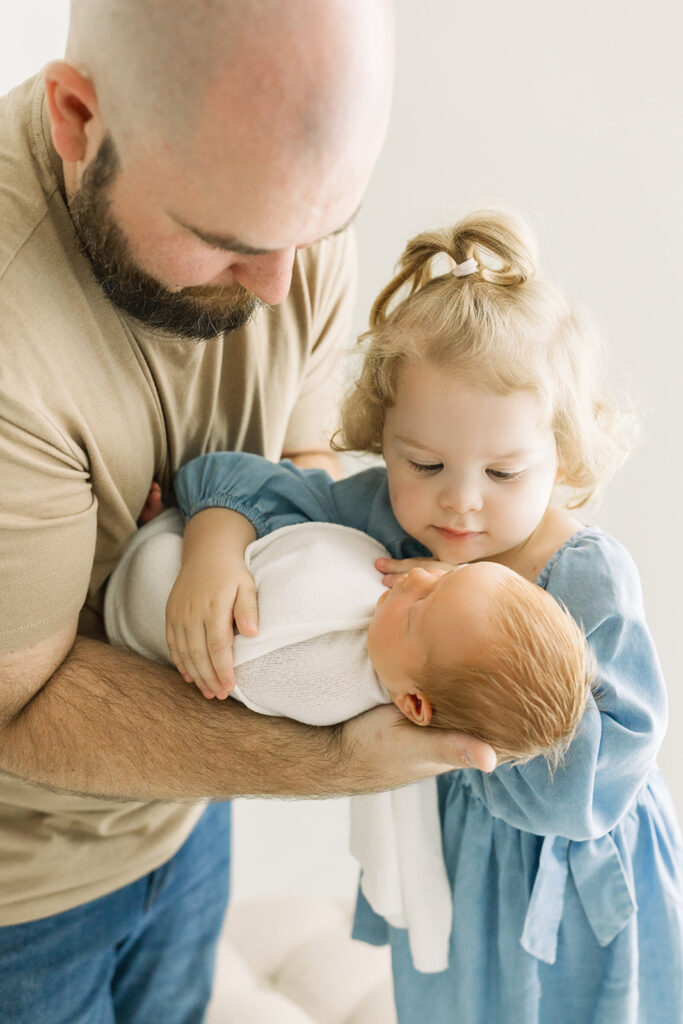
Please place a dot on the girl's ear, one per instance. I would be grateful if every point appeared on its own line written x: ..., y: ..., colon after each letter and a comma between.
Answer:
x: 415, y: 707
x: 72, y: 102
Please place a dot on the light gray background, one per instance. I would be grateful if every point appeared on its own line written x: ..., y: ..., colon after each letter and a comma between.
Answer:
x: 572, y: 113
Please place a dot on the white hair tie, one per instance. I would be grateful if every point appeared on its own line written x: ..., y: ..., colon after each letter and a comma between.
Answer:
x: 466, y: 268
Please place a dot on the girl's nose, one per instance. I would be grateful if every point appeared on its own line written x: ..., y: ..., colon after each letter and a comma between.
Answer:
x: 461, y: 496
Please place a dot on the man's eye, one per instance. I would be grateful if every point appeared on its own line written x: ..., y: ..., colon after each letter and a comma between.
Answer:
x: 422, y: 467
x: 500, y: 474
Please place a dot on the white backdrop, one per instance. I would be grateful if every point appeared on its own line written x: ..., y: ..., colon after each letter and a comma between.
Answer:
x: 571, y: 112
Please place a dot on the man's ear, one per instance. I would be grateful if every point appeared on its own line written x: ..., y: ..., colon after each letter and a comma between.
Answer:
x: 72, y: 102
x: 415, y: 706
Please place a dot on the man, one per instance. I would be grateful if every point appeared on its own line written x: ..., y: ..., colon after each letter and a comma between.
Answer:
x: 165, y: 290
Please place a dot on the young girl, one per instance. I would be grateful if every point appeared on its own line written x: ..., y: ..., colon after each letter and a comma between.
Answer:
x: 479, y: 389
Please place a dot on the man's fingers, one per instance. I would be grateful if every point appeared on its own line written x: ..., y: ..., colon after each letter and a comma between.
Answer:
x: 400, y: 752
x: 457, y: 750
x: 473, y: 753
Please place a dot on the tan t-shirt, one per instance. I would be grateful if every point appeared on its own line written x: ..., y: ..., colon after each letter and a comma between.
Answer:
x: 93, y: 407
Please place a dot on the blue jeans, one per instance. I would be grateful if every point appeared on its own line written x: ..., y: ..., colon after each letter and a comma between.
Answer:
x: 141, y: 955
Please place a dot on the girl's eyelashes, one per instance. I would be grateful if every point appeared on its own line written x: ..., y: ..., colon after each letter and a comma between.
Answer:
x: 435, y: 467
x: 501, y: 474
x: 422, y: 467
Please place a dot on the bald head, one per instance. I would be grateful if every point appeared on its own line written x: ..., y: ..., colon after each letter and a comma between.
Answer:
x: 206, y: 141
x: 309, y: 72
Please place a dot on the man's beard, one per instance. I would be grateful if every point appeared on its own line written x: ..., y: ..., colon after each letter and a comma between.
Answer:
x: 195, y: 313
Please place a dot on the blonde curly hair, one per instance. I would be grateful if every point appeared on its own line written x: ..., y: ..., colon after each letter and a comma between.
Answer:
x: 502, y: 326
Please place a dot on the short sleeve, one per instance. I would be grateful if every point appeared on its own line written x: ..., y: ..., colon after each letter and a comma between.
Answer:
x: 47, y: 528
x: 330, y: 270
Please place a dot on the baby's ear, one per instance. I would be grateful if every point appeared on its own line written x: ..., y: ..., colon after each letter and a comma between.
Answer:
x: 414, y: 706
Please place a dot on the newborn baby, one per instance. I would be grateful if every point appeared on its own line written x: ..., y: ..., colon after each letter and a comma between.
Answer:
x: 477, y: 649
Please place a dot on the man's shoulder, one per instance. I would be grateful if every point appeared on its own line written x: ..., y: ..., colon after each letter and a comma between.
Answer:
x: 28, y: 176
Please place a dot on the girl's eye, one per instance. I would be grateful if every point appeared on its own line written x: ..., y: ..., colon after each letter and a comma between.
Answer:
x: 421, y: 467
x: 500, y: 474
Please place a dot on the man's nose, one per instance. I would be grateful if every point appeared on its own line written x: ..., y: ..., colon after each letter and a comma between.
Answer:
x: 268, y: 276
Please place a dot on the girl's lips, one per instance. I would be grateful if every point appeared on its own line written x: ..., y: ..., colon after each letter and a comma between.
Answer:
x: 457, y: 534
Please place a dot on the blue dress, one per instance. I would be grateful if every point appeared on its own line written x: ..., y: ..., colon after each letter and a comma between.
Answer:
x: 567, y: 890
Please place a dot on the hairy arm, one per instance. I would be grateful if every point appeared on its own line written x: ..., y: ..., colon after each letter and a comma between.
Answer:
x: 81, y: 716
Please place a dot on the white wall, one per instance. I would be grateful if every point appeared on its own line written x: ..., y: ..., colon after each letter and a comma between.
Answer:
x: 572, y: 112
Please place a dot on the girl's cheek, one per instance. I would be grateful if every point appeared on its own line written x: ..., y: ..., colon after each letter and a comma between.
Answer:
x: 401, y: 497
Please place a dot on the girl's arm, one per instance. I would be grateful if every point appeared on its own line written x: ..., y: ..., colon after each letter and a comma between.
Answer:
x: 275, y: 494
x: 268, y: 494
x: 618, y: 739
x: 213, y: 589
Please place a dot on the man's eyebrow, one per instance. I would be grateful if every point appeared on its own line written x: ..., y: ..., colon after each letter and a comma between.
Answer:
x: 231, y: 244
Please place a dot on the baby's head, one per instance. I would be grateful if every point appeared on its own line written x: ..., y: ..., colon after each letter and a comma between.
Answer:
x: 500, y: 327
x: 483, y: 651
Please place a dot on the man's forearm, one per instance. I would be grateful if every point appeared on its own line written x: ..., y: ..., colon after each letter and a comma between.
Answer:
x: 110, y: 723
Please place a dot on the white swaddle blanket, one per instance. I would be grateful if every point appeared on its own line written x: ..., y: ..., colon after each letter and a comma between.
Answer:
x: 317, y: 590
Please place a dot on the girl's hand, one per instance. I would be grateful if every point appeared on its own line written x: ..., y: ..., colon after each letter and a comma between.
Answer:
x: 205, y: 601
x: 393, y: 568
x: 214, y: 589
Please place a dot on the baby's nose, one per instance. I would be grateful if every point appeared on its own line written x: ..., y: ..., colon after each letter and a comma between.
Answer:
x: 416, y: 577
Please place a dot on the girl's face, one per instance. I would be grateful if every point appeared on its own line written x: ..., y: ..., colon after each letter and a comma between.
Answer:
x: 470, y: 472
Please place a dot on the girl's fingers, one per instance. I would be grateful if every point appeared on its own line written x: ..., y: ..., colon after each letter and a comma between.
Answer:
x: 399, y: 566
x: 195, y: 658
x: 390, y: 579
x: 246, y: 610
x: 393, y: 568
x: 175, y: 655
x: 219, y: 638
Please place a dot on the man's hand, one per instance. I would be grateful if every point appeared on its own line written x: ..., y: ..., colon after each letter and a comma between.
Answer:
x: 213, y: 589
x: 383, y: 742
